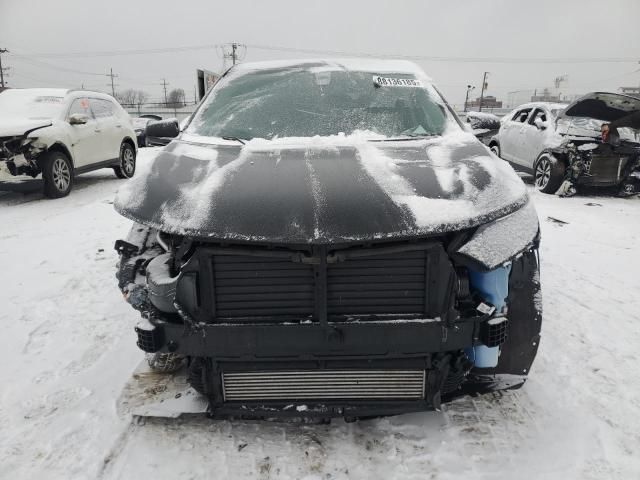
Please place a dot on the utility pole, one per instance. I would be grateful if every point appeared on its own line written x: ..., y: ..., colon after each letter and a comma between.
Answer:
x: 113, y: 85
x: 2, y: 50
x: 466, y: 99
x: 164, y: 85
x: 484, y: 86
x: 236, y: 53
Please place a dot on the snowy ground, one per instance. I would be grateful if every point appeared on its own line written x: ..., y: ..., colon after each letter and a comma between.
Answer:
x: 68, y: 348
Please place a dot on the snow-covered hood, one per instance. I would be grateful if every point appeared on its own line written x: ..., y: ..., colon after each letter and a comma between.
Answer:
x: 20, y: 126
x: 339, y: 189
x: 602, y: 106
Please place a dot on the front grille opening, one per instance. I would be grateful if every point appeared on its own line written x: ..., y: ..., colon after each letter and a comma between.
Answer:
x: 249, y: 286
x: 323, y: 385
x: 379, y: 284
x: 253, y: 285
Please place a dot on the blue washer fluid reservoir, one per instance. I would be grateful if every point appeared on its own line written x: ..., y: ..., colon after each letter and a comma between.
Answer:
x: 493, y: 286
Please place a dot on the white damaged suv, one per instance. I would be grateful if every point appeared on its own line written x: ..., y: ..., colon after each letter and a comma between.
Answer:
x: 60, y: 133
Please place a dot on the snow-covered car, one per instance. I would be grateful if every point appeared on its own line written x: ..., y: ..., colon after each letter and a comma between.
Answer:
x: 483, y: 125
x: 561, y: 145
x: 60, y: 133
x: 140, y: 128
x: 325, y: 238
x: 162, y: 132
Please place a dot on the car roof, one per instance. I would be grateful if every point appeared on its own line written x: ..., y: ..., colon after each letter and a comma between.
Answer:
x: 373, y: 65
x: 548, y: 105
x: 60, y: 92
x: 42, y: 92
x: 90, y: 93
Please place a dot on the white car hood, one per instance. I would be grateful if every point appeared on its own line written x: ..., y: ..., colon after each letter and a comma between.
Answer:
x: 19, y: 126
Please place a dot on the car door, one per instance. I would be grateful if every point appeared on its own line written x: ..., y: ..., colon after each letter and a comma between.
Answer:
x: 533, y: 137
x: 510, y: 134
x: 85, y: 141
x: 109, y: 130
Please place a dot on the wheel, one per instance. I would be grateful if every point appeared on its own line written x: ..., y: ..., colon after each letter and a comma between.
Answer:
x: 127, y: 166
x: 495, y: 149
x: 548, y: 173
x: 57, y: 173
x: 196, y: 374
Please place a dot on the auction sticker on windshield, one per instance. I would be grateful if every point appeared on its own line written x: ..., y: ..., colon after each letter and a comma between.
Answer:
x: 395, y: 82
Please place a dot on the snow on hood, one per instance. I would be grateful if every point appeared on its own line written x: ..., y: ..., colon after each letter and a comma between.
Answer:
x: 19, y: 127
x: 322, y: 189
x: 602, y: 106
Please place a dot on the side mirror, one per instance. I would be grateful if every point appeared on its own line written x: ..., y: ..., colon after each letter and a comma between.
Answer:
x: 541, y: 124
x: 78, y: 119
x: 163, y: 128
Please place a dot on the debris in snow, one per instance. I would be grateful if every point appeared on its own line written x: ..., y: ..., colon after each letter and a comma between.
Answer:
x: 593, y: 204
x: 242, y: 446
x: 558, y: 221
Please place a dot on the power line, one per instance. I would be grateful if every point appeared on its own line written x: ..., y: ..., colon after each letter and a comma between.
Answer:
x: 151, y: 51
x: 113, y: 53
x: 446, y: 59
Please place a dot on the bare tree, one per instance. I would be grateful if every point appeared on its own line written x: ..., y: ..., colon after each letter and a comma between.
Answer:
x: 175, y: 99
x: 132, y: 97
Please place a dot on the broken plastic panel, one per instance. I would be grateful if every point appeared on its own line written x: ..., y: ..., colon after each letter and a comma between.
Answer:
x: 493, y: 286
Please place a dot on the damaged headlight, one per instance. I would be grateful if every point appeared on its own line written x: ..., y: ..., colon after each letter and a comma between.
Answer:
x: 497, y: 242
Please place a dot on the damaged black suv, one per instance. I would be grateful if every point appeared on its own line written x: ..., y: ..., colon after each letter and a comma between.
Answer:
x: 325, y: 239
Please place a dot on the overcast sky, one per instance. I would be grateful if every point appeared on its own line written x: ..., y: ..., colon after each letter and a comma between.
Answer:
x: 455, y: 29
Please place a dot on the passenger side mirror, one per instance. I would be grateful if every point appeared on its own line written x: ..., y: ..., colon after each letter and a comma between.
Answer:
x: 78, y: 119
x: 163, y: 128
x: 541, y: 124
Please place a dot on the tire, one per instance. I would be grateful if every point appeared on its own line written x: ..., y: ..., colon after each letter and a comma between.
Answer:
x: 127, y: 166
x: 495, y: 148
x: 57, y: 173
x: 196, y: 374
x: 548, y: 173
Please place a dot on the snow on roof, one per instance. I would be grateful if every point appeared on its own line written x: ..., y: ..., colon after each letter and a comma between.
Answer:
x: 39, y: 92
x: 549, y: 105
x: 372, y: 65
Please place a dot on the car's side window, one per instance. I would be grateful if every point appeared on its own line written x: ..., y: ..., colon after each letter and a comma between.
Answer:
x: 80, y: 105
x: 521, y: 115
x: 539, y: 113
x: 101, y: 108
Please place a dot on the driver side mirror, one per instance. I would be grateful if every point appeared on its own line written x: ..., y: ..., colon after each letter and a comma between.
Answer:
x: 78, y: 119
x: 541, y: 124
x: 163, y: 128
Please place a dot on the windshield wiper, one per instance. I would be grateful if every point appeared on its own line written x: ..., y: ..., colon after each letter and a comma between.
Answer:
x: 235, y: 139
x: 403, y: 138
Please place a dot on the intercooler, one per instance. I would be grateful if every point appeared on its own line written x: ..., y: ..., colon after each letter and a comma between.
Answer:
x: 324, y: 385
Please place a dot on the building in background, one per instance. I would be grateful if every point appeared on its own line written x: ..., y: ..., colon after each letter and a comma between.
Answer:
x: 488, y: 102
x: 545, y: 96
x: 633, y: 91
